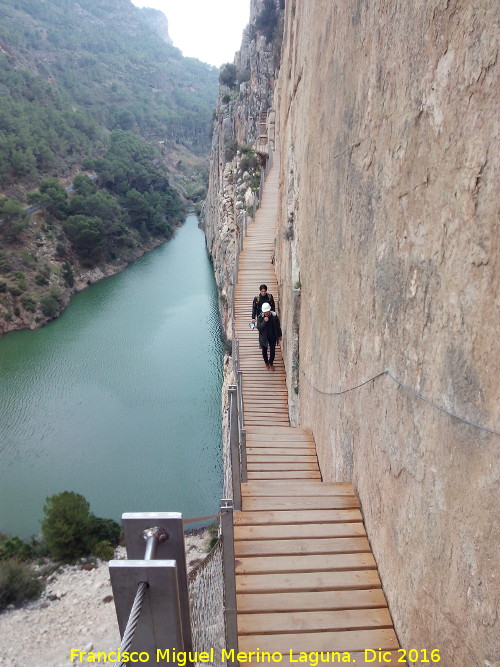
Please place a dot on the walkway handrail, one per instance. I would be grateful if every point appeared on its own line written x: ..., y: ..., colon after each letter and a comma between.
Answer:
x: 235, y: 445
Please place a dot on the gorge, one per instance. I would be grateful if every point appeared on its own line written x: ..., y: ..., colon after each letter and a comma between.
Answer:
x: 387, y: 259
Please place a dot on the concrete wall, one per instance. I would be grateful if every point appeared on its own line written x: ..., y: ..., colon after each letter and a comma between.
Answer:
x: 387, y: 258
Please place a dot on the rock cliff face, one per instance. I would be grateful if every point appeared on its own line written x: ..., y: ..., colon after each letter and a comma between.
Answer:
x: 158, y: 22
x: 387, y: 258
x: 234, y: 165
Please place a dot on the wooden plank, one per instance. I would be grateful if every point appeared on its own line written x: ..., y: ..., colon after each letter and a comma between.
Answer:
x: 280, y: 458
x: 290, y: 431
x: 286, y: 446
x: 301, y: 546
x: 307, y: 581
x: 304, y: 489
x: 278, y: 465
x: 297, y: 516
x: 351, y: 640
x: 277, y: 439
x: 315, y: 601
x: 254, y: 450
x: 389, y: 659
x: 253, y: 420
x: 309, y: 563
x: 263, y: 503
x: 299, y: 531
x: 346, y: 619
x: 285, y: 474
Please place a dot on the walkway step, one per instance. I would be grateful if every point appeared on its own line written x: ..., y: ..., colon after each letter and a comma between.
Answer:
x: 285, y: 474
x: 346, y: 619
x: 302, y: 489
x: 315, y: 601
x: 307, y: 581
x: 306, y: 502
x: 296, y: 517
x: 299, y: 531
x: 355, y: 640
x: 316, y: 563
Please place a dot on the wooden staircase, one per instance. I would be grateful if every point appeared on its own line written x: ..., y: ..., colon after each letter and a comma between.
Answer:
x: 306, y: 579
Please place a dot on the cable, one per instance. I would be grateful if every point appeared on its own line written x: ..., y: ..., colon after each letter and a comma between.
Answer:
x: 407, y: 388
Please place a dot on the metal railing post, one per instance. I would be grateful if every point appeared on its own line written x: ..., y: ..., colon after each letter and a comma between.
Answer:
x: 228, y: 557
x: 234, y: 445
x: 173, y: 548
x: 156, y: 557
x: 243, y: 448
x: 240, y: 392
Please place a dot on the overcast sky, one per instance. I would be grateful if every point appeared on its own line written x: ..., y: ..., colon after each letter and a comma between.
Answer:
x: 209, y: 30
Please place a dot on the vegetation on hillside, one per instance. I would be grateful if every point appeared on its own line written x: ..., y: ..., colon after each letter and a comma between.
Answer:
x: 90, y: 88
x: 69, y: 531
x: 71, y: 70
x: 107, y: 218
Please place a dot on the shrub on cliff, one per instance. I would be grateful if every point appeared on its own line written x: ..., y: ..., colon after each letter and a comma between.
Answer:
x: 13, y: 547
x: 227, y: 75
x: 70, y: 530
x: 49, y: 306
x: 17, y: 583
x: 67, y: 526
x: 267, y: 20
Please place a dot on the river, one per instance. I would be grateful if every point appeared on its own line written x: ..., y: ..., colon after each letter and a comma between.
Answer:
x: 119, y: 398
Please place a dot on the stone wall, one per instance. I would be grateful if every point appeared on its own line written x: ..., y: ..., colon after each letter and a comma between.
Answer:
x: 387, y: 258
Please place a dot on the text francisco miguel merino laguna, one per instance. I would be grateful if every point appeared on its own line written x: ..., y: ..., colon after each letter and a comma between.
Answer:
x: 183, y: 658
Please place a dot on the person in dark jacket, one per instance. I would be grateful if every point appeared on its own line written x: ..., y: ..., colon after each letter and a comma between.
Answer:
x: 261, y: 299
x: 268, y: 324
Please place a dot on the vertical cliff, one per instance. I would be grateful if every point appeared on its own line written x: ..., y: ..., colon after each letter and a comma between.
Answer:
x: 237, y: 159
x: 387, y: 258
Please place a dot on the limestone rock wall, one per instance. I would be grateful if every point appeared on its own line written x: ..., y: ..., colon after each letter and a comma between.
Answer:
x: 231, y: 198
x: 387, y: 258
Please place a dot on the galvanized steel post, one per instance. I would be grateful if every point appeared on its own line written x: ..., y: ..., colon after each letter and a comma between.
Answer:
x: 234, y: 445
x: 230, y: 607
x: 156, y: 553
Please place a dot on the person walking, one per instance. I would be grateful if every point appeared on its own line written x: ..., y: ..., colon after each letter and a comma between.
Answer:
x: 268, y: 324
x: 259, y: 300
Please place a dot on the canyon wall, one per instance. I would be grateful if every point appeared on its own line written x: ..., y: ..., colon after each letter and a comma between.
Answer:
x: 233, y: 185
x: 387, y: 258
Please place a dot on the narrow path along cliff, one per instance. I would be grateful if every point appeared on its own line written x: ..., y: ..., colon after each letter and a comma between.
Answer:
x: 306, y: 579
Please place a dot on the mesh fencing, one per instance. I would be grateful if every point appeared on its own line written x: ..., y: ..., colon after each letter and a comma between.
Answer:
x: 206, y: 597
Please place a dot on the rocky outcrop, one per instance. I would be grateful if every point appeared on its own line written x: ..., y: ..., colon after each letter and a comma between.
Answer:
x: 387, y: 258
x: 158, y: 22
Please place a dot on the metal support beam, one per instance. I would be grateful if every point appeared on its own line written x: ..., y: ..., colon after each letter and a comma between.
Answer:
x: 159, y: 625
x: 227, y: 528
x: 234, y: 445
x: 173, y: 548
x: 243, y: 452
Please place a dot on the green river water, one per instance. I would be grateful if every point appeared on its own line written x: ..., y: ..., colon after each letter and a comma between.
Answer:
x: 119, y: 398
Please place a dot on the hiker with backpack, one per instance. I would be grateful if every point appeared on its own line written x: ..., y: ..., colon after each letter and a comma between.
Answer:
x: 261, y: 299
x: 268, y: 324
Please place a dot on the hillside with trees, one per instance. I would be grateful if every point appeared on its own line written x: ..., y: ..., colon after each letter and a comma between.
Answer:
x: 92, y: 88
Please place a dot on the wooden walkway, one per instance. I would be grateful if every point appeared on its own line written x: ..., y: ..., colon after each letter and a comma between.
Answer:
x: 305, y: 575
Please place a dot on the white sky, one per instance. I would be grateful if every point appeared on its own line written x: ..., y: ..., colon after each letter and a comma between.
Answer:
x: 209, y: 30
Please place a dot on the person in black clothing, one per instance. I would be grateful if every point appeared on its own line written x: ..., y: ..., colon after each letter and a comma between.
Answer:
x: 259, y: 300
x: 268, y: 324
